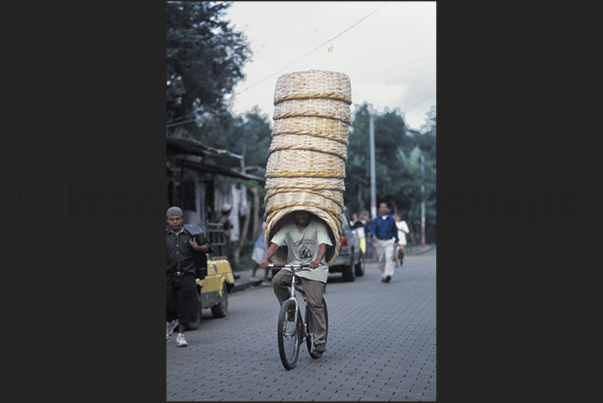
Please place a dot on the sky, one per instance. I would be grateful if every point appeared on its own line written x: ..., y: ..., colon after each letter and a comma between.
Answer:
x: 388, y: 49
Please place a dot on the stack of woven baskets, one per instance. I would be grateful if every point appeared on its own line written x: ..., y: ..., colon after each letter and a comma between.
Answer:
x: 307, y: 155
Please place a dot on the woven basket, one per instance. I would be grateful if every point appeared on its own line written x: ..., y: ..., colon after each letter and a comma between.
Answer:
x: 307, y: 155
x: 305, y: 183
x: 306, y: 142
x: 278, y: 218
x: 313, y: 84
x: 301, y: 199
x: 334, y: 196
x: 314, y: 126
x: 284, y: 163
x: 326, y: 108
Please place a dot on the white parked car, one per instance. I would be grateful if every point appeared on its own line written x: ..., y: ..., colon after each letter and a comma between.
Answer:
x: 350, y: 261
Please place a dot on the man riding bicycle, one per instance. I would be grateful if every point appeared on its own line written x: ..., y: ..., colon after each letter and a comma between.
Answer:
x: 306, y: 238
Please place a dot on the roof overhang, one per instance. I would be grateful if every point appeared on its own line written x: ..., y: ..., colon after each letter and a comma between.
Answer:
x: 182, y: 149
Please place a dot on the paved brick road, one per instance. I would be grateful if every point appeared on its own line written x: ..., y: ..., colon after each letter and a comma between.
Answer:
x: 381, y: 347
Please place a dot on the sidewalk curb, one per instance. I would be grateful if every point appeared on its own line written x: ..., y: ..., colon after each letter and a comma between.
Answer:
x: 248, y: 284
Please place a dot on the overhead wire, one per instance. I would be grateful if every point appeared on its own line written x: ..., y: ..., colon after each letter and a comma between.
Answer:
x: 398, y: 66
x: 175, y: 123
x: 421, y: 101
x: 315, y: 49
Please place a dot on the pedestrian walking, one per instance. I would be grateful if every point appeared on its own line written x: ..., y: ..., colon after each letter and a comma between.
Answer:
x: 181, y: 273
x: 259, y: 251
x: 402, y: 231
x: 385, y: 236
x: 359, y: 222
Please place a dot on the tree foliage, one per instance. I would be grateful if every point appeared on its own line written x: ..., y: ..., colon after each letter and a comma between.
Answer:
x: 247, y: 135
x: 204, y: 62
x: 400, y: 175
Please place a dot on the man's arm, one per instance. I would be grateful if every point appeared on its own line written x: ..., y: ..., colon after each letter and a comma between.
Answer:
x: 374, y: 229
x: 271, y: 251
x: 199, y: 248
x: 321, y: 252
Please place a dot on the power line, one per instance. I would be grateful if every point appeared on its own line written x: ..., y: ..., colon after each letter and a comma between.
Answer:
x: 421, y: 101
x: 315, y: 49
x: 179, y: 123
x: 175, y: 123
x: 398, y: 66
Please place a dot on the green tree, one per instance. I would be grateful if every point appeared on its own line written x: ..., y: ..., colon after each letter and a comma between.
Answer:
x: 390, y: 140
x: 398, y: 152
x: 248, y: 134
x: 204, y: 62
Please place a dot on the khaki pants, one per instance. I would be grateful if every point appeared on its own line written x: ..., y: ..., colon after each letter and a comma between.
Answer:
x: 385, y: 255
x: 281, y: 283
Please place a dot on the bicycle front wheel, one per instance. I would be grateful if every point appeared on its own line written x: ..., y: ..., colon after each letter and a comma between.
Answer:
x: 289, y: 334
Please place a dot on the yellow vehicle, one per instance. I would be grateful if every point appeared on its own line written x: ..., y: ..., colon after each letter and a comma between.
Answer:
x: 213, y: 289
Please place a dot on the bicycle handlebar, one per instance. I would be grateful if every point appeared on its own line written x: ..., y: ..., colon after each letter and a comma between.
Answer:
x: 296, y: 267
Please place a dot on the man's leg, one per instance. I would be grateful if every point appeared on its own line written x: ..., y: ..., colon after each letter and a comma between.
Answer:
x: 187, y: 305
x: 170, y: 297
x: 314, y: 291
x: 281, y: 283
x: 381, y: 257
x: 389, y: 261
x: 171, y: 309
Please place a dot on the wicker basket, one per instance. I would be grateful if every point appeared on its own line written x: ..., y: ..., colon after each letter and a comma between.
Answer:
x: 307, y: 155
x: 334, y: 196
x: 284, y: 163
x: 314, y: 126
x: 325, y: 108
x: 313, y: 84
x: 305, y: 183
x: 301, y: 198
x: 306, y: 142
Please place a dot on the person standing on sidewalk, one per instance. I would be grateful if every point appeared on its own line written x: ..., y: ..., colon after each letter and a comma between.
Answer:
x: 259, y: 250
x: 227, y: 225
x: 385, y: 236
x: 307, y: 239
x: 181, y: 289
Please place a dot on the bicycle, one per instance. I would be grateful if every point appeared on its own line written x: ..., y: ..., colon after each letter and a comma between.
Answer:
x: 292, y: 328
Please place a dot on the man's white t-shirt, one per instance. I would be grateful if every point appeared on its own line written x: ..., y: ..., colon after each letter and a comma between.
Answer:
x: 302, y: 246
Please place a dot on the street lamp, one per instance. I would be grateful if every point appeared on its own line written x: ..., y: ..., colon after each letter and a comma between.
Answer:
x: 372, y: 162
x: 422, y: 201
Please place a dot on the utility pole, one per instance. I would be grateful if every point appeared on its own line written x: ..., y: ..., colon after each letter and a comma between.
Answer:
x: 422, y: 201
x: 372, y: 150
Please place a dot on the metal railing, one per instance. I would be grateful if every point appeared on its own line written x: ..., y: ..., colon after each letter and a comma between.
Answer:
x: 217, y: 237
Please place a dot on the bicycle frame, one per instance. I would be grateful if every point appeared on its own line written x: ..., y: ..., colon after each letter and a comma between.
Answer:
x: 295, y: 268
x: 300, y: 331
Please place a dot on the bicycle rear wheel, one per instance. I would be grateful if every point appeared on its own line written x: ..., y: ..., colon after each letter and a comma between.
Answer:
x: 289, y: 334
x: 310, y: 338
